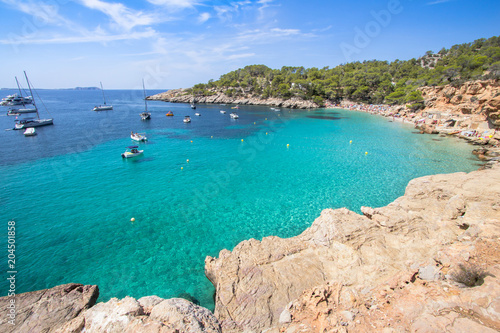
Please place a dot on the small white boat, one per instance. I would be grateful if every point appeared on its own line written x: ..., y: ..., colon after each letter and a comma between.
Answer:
x: 234, y: 115
x: 132, y: 151
x: 193, y: 106
x: 187, y: 119
x: 222, y: 111
x: 145, y: 115
x: 197, y: 114
x: 16, y: 112
x: 103, y: 107
x: 32, y: 122
x: 138, y: 136
x: 30, y: 131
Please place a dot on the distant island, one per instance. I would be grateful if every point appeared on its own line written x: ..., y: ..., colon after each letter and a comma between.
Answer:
x: 83, y: 88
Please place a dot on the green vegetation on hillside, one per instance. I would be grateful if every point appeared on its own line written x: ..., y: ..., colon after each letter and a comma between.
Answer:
x: 372, y: 82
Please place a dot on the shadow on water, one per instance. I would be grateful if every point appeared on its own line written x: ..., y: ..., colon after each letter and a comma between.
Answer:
x: 326, y: 117
x: 145, y: 159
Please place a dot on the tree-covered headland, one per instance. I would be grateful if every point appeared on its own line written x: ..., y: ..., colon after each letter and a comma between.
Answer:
x: 371, y: 82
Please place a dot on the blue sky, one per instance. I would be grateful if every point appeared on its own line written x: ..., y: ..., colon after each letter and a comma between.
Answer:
x: 178, y: 43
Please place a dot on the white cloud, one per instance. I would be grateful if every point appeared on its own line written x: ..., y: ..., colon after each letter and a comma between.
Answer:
x: 181, y: 4
x: 121, y: 15
x: 438, y: 2
x: 204, y: 17
x: 88, y: 38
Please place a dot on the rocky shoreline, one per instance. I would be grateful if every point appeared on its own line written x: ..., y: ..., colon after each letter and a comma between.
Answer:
x: 182, y: 96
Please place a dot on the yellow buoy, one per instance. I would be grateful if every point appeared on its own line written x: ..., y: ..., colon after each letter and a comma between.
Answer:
x: 187, y: 160
x: 266, y: 118
x: 266, y: 133
x: 132, y: 219
x: 191, y: 141
x: 366, y: 153
x: 254, y: 122
x: 350, y: 141
x: 241, y: 140
x: 182, y: 168
x: 287, y: 145
x: 212, y: 137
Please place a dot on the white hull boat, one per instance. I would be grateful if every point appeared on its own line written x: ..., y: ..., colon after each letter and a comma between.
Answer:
x: 103, y: 107
x: 25, y: 123
x: 132, y: 151
x: 187, y: 119
x: 16, y: 112
x: 234, y: 115
x: 30, y: 131
x: 222, y: 111
x: 138, y: 137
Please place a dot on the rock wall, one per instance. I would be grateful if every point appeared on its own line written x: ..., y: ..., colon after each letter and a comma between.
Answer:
x: 181, y: 96
x: 344, y: 265
x: 474, y: 97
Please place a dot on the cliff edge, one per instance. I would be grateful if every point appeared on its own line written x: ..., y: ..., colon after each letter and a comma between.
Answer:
x: 395, y: 268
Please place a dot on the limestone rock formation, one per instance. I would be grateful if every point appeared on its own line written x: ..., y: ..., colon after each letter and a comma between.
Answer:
x: 182, y: 96
x: 47, y: 310
x: 473, y: 97
x: 70, y: 309
x: 341, y: 266
x: 148, y: 314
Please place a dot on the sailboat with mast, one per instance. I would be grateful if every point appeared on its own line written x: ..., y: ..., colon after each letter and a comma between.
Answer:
x: 103, y: 107
x: 25, y: 100
x: 145, y: 115
x: 32, y: 122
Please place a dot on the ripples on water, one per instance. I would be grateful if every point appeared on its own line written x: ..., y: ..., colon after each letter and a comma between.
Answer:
x: 267, y: 173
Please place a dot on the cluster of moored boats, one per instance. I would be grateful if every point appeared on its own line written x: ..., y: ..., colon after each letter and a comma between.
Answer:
x: 21, y: 105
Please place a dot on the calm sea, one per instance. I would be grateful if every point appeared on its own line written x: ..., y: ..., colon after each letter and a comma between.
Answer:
x: 198, y: 188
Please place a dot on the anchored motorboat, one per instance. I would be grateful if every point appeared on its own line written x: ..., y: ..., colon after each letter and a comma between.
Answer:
x: 132, y: 151
x: 138, y: 136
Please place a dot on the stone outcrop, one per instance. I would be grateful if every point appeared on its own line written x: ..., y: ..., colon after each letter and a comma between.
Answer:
x: 339, y: 271
x: 47, y: 310
x: 473, y: 97
x: 71, y: 308
x: 182, y: 96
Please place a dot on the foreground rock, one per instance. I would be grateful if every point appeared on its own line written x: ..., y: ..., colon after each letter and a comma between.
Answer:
x: 182, y: 96
x: 148, y: 314
x: 338, y: 272
x: 47, y: 310
x: 70, y: 309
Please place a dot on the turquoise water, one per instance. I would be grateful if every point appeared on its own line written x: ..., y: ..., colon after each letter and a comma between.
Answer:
x: 267, y: 173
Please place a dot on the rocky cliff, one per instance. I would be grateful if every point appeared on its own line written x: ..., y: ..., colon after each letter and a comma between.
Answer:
x: 474, y: 97
x: 392, y: 269
x: 182, y: 96
x: 427, y: 262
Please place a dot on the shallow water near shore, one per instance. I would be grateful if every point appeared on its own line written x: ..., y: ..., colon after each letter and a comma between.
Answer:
x: 267, y: 173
